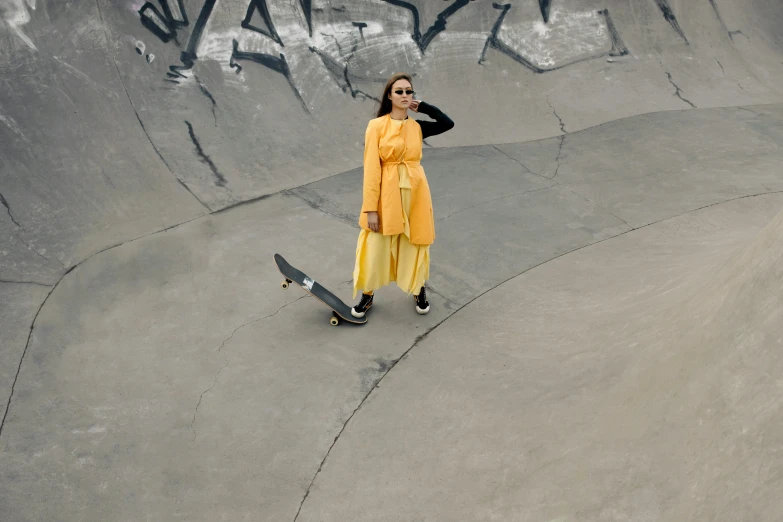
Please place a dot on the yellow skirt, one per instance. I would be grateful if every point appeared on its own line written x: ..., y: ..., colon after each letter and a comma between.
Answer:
x: 382, y: 259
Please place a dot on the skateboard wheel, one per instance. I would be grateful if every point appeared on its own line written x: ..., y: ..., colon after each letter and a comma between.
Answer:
x: 334, y: 321
x: 284, y: 284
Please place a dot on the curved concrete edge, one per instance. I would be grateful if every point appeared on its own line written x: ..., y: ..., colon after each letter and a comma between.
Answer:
x: 20, y: 304
x: 635, y: 371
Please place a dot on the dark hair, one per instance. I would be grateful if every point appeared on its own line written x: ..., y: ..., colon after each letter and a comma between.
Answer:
x: 386, y: 104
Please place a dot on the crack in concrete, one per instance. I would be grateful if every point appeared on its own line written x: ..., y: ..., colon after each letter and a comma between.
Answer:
x: 221, y: 180
x: 597, y: 205
x: 214, y: 383
x: 492, y: 201
x: 21, y: 359
x: 116, y: 245
x: 446, y: 300
x: 24, y: 283
x: 557, y: 158
x: 36, y: 252
x: 220, y: 349
x: 208, y: 94
x: 244, y: 202
x: 519, y: 162
x: 732, y: 33
x: 389, y: 366
x: 4, y: 202
x: 103, y: 171
x: 562, y: 125
x: 721, y: 67
x: 8, y: 209
x: 337, y: 42
x: 316, y: 205
x: 720, y: 18
x: 32, y: 324
x: 679, y: 165
x: 678, y: 92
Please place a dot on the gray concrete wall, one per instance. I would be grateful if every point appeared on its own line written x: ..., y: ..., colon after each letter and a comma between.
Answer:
x: 119, y: 128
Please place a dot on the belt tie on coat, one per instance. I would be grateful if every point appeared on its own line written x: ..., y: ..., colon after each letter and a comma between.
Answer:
x: 404, y: 162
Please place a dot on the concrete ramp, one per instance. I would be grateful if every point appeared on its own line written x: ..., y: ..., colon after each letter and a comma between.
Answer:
x: 627, y: 381
x: 604, y: 335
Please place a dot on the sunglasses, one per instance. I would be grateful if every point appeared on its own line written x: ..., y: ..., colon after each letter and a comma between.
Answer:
x: 408, y: 91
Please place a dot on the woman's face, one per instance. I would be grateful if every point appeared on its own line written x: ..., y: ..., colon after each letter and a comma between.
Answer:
x: 401, y: 94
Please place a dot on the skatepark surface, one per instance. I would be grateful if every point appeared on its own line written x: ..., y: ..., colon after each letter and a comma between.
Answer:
x: 605, y: 341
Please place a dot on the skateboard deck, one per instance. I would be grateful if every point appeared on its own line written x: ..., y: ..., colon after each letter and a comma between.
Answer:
x: 340, y: 310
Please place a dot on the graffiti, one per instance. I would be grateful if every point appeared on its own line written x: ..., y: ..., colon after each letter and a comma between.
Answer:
x: 423, y: 41
x: 343, y: 76
x: 209, y: 96
x: 562, y: 41
x: 618, y: 47
x: 668, y: 14
x: 14, y: 15
x: 175, y: 12
x: 731, y: 33
x: 307, y: 7
x: 141, y: 48
x: 274, y: 63
x: 220, y: 180
x: 678, y: 91
x: 260, y: 7
x: 493, y: 41
x: 8, y: 210
x: 311, y: 43
x: 189, y: 54
x: 164, y: 25
x: 545, y: 5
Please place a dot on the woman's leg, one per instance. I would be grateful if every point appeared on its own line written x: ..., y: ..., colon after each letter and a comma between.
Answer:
x: 413, y: 265
x: 373, y: 268
x: 422, y: 305
x: 412, y: 261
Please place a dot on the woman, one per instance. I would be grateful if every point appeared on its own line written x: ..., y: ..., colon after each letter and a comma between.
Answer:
x: 397, y: 221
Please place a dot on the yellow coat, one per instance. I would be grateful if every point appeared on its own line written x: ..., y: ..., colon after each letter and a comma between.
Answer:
x: 386, y: 146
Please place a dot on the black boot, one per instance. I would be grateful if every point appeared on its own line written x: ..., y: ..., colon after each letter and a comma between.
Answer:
x: 422, y: 306
x: 360, y: 309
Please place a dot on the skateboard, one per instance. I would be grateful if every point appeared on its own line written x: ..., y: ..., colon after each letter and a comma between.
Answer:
x: 340, y: 310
